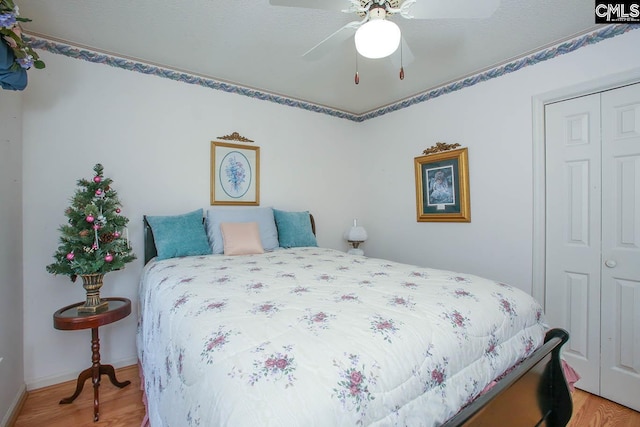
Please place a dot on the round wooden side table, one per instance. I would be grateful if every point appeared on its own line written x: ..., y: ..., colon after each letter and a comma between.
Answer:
x: 68, y: 319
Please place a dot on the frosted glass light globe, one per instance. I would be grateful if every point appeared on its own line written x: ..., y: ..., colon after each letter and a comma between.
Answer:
x: 377, y: 38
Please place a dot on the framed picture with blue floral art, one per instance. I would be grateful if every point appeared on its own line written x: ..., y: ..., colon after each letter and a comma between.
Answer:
x: 442, y: 184
x: 235, y: 172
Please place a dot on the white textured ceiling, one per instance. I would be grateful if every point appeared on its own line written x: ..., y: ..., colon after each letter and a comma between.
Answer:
x: 254, y: 44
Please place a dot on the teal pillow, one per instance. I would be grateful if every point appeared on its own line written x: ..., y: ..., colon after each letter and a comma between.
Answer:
x: 179, y: 235
x: 294, y: 229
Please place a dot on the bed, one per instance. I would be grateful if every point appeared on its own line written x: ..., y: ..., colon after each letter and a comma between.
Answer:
x: 310, y: 336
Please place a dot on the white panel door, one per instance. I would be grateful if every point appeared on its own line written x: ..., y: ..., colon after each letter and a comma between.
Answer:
x: 620, y: 352
x: 573, y: 249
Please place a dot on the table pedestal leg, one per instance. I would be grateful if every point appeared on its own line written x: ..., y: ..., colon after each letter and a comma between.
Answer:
x: 95, y: 372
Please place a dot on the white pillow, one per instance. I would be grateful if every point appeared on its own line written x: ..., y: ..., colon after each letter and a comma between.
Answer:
x: 241, y: 238
x: 263, y: 216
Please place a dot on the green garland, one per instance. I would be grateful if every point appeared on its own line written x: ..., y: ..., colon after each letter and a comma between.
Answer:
x: 11, y: 32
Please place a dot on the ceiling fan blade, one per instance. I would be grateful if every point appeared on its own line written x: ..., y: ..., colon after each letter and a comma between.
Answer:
x: 449, y: 9
x: 338, y: 5
x: 331, y: 43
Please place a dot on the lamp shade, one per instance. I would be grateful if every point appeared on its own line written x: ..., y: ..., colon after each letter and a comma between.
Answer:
x: 377, y: 38
x: 356, y: 233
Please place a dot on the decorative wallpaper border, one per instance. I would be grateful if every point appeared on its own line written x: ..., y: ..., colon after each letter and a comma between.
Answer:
x: 127, y: 64
x: 543, y: 55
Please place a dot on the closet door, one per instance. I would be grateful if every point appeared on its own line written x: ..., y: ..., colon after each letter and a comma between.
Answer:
x: 620, y: 352
x: 573, y: 231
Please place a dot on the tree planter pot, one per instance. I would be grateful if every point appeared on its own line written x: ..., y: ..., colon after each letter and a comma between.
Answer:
x: 92, y: 284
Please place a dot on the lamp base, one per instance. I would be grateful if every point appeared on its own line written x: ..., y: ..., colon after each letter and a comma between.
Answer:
x: 355, y: 251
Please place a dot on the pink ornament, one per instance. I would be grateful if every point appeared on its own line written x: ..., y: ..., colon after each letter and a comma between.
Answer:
x: 117, y: 210
x: 98, y: 192
x: 71, y: 256
x: 96, y: 227
x: 97, y: 179
x: 108, y: 258
x: 94, y: 246
x: 90, y: 218
x: 116, y: 234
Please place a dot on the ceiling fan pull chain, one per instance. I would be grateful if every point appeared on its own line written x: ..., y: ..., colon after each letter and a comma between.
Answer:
x: 401, y: 63
x: 357, y: 77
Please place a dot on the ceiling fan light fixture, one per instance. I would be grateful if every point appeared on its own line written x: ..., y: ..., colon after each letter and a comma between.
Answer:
x: 377, y: 38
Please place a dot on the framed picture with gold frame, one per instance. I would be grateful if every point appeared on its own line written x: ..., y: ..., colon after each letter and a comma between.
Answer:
x: 235, y: 174
x: 442, y: 187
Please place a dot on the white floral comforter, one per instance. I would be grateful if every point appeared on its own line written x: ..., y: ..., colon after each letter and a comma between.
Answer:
x: 316, y: 337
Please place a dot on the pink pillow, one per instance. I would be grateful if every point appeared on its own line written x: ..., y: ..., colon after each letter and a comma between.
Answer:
x: 241, y: 238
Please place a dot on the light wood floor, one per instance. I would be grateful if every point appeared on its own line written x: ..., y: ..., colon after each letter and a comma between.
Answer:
x: 119, y: 407
x: 594, y: 411
x: 124, y: 407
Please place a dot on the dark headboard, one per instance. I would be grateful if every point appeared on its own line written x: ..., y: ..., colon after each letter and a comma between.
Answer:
x: 150, y: 250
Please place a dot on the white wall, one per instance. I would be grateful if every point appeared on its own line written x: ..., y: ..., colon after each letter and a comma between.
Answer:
x: 153, y: 137
x: 494, y: 120
x: 11, y: 346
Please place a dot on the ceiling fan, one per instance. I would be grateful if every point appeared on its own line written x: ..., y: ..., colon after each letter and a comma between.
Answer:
x: 374, y: 34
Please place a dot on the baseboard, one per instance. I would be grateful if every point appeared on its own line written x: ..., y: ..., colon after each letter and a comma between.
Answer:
x: 69, y: 376
x: 14, y: 410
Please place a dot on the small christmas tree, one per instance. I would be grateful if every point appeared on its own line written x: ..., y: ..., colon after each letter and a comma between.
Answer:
x: 93, y: 241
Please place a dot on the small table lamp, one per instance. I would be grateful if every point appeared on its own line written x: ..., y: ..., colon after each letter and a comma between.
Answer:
x: 355, y: 235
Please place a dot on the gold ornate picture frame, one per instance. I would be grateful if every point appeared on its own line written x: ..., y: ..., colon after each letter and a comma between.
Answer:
x: 235, y: 172
x: 442, y: 186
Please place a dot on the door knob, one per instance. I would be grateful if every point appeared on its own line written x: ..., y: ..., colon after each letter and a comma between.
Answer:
x: 610, y: 263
